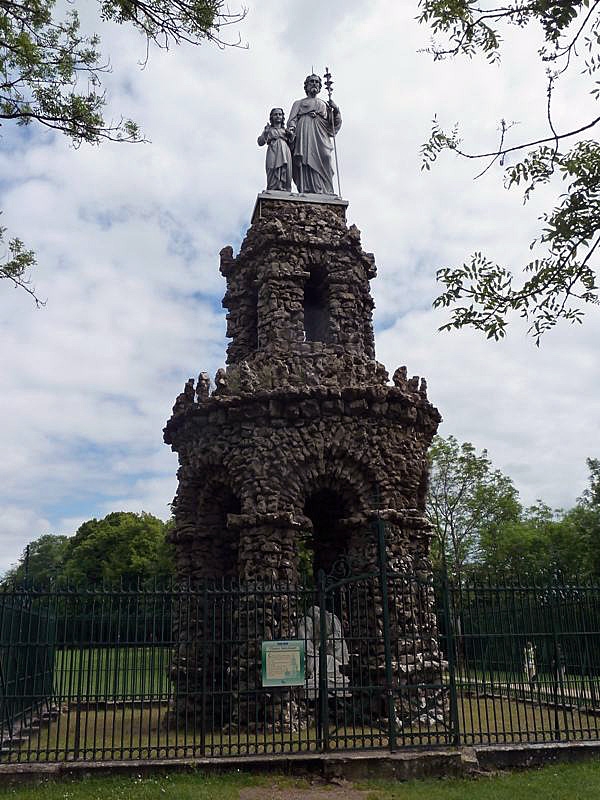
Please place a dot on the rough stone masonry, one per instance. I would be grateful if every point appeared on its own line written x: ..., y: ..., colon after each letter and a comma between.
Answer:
x: 303, y: 428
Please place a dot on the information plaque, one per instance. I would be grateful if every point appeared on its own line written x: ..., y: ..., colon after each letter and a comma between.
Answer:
x: 283, y: 663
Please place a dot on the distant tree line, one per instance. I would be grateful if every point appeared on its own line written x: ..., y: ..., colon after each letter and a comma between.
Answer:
x: 481, y: 528
x: 123, y: 547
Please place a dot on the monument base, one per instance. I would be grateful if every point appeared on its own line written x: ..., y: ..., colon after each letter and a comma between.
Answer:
x: 272, y: 194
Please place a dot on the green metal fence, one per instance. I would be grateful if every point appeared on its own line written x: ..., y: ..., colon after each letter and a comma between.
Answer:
x: 526, y: 661
x: 26, y: 659
x: 392, y: 661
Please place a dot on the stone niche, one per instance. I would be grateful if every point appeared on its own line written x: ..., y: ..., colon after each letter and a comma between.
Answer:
x: 303, y: 427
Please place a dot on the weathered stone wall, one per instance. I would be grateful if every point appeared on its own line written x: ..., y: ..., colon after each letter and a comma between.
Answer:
x: 271, y: 450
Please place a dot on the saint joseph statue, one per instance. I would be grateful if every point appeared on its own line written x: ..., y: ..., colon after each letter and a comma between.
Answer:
x: 311, y: 124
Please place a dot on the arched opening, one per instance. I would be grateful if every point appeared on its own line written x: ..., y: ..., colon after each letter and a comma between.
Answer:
x: 208, y: 639
x: 316, y: 306
x: 325, y: 508
x: 223, y: 542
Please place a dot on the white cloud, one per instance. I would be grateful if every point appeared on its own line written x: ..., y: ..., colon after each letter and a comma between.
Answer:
x: 18, y: 526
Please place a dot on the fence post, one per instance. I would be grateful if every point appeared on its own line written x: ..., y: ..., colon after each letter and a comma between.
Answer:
x: 80, y: 668
x: 204, y: 667
x: 5, y: 717
x: 587, y: 670
x: 448, y: 607
x: 385, y: 599
x: 557, y: 677
x: 323, y: 722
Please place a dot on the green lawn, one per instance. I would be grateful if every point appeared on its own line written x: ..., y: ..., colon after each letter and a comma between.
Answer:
x: 111, y: 672
x: 123, y: 733
x: 134, y: 733
x: 570, y: 685
x: 95, y: 724
x: 555, y: 782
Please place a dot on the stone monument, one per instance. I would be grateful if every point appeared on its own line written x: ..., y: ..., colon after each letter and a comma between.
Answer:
x: 303, y: 426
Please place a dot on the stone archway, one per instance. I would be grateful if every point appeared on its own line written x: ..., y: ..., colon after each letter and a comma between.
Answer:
x: 213, y: 510
x: 325, y: 508
x: 206, y: 545
x: 336, y: 501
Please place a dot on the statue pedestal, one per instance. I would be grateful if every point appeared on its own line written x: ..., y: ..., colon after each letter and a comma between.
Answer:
x: 319, y: 199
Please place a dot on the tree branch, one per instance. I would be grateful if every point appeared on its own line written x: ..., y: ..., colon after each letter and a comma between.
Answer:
x: 525, y: 145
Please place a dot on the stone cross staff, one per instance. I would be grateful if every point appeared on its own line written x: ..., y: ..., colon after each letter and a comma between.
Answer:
x: 306, y: 144
x: 329, y: 87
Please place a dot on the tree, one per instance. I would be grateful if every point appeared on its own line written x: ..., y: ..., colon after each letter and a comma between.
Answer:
x: 562, y: 280
x: 585, y: 518
x: 591, y: 496
x: 123, y: 546
x: 17, y: 263
x: 543, y: 544
x: 41, y: 562
x: 51, y: 73
x: 466, y: 498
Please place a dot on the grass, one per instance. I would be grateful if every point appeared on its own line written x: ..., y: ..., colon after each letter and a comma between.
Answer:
x: 111, y: 672
x: 569, y: 685
x: 497, y: 720
x: 129, y: 732
x: 97, y: 728
x: 133, y: 733
x: 554, y: 782
x: 170, y: 787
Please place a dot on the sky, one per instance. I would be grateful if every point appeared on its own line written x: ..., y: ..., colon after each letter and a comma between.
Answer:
x: 127, y: 240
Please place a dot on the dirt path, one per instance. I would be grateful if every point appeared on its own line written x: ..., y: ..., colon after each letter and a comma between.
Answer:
x: 344, y: 791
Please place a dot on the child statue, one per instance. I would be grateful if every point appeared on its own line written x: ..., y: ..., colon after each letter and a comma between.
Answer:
x: 279, y: 157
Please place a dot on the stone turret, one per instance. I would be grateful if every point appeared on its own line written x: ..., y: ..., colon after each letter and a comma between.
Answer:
x: 303, y: 428
x: 303, y: 408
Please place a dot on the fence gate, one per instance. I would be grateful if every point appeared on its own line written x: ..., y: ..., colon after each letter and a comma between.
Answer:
x: 378, y: 669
